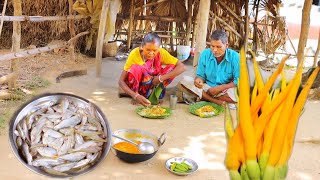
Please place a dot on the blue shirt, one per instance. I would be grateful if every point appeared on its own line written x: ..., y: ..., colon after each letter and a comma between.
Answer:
x: 215, y: 74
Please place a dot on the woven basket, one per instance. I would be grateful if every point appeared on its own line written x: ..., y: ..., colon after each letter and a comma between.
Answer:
x: 110, y: 49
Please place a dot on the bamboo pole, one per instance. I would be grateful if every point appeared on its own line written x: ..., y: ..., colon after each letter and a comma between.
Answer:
x: 129, y: 37
x: 41, y: 18
x: 305, y: 25
x: 72, y: 31
x: 294, y: 49
x: 149, y: 4
x: 16, y: 38
x: 31, y: 52
x: 291, y: 55
x: 226, y: 24
x: 201, y: 35
x: 101, y: 33
x: 154, y: 18
x: 189, y: 24
x: 234, y: 15
x: 317, y: 52
x: 171, y: 37
x: 246, y: 28
x: 195, y: 25
x: 255, y: 26
x: 2, y: 14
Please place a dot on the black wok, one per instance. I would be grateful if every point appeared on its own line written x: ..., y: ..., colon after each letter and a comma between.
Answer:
x: 138, y: 135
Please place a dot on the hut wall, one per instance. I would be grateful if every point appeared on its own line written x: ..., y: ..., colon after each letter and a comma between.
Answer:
x: 41, y: 33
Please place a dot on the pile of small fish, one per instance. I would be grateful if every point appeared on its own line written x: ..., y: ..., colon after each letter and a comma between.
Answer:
x: 62, y: 137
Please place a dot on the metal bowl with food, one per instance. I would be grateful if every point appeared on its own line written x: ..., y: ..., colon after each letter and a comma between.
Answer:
x: 60, y: 135
x: 128, y: 152
x: 181, y: 166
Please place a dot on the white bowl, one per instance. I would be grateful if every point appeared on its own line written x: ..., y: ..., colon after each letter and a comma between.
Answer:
x: 189, y: 161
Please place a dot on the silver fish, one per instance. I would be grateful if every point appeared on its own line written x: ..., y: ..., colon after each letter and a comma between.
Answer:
x: 64, y: 167
x: 26, y: 152
x: 54, y: 134
x: 91, y: 149
x: 95, y: 122
x: 54, y: 172
x: 87, y: 127
x: 49, y: 124
x: 21, y: 132
x: 79, y: 140
x: 77, y: 156
x: 88, y: 133
x: 30, y: 119
x: 56, y: 144
x: 65, y: 147
x: 81, y: 163
x: 47, y: 162
x: 85, y: 145
x: 93, y: 157
x: 53, y: 116
x: 35, y: 132
x: 47, y: 151
x: 66, y: 131
x: 68, y: 122
x: 46, y: 139
x: 19, y: 142
x: 97, y: 138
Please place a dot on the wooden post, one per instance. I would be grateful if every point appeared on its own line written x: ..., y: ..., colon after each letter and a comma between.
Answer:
x: 16, y: 38
x: 129, y: 37
x: 171, y: 36
x: 201, y: 35
x: 189, y: 24
x: 72, y: 32
x: 34, y: 51
x: 42, y: 18
x: 195, y: 30
x: 317, y: 52
x: 101, y: 33
x: 255, y: 27
x: 2, y: 14
x: 246, y: 28
x: 305, y: 25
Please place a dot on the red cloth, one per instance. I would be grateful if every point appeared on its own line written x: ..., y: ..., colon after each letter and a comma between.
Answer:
x: 140, y: 76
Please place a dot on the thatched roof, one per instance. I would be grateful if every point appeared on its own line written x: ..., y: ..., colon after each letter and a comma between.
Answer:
x: 40, y: 34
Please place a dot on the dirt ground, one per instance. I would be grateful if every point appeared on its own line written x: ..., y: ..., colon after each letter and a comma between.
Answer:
x: 203, y: 140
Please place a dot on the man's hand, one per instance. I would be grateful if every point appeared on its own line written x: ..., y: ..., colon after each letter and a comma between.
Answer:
x: 198, y: 82
x: 215, y: 90
x: 143, y: 101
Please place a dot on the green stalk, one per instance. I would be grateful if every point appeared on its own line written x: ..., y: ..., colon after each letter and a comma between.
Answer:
x: 269, y: 173
x: 263, y: 160
x: 234, y: 175
x: 253, y: 169
x: 243, y: 172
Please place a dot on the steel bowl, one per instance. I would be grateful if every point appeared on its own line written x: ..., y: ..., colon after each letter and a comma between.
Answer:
x: 189, y: 161
x: 136, y: 135
x: 43, y: 100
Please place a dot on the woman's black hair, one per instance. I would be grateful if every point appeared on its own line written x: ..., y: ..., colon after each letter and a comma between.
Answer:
x: 151, y: 37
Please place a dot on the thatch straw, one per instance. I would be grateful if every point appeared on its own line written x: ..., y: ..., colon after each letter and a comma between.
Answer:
x: 41, y: 33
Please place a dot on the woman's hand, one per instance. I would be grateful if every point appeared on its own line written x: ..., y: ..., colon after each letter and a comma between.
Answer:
x: 142, y: 100
x: 198, y: 82
x: 157, y: 80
